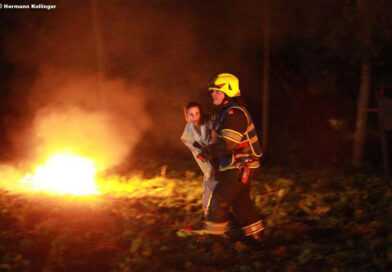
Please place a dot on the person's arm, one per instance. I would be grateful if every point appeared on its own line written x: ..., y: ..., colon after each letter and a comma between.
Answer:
x: 189, y: 141
x: 232, y: 129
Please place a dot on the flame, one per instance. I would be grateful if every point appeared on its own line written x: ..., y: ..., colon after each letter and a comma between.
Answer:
x: 65, y: 174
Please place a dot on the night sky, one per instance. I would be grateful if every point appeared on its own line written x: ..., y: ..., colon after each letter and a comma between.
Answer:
x: 142, y: 61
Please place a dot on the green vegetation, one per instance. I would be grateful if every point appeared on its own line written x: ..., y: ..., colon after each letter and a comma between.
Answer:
x: 315, y: 221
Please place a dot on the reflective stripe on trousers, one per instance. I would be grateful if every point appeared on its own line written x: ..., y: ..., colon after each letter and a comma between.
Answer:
x: 253, y: 228
x: 216, y: 228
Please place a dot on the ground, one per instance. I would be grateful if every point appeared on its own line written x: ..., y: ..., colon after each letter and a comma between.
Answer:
x: 315, y: 221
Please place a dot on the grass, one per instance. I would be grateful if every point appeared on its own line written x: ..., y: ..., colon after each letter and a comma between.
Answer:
x: 315, y: 221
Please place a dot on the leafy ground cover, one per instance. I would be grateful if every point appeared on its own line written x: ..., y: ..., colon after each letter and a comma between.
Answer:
x: 315, y: 221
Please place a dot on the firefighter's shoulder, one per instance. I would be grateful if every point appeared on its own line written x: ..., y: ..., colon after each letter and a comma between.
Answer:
x: 236, y: 119
x: 236, y: 114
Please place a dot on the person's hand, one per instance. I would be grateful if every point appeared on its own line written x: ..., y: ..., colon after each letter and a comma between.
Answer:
x: 206, y: 155
x: 197, y: 145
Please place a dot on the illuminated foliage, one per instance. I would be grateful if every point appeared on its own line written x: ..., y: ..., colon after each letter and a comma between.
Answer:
x: 313, y: 220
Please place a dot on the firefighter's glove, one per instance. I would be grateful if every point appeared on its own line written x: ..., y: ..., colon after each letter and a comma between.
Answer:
x: 206, y: 155
x: 197, y: 145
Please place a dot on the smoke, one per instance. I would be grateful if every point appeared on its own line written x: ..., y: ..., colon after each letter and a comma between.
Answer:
x: 86, y: 114
x: 78, y: 53
x: 10, y: 177
x: 101, y: 74
x: 80, y: 114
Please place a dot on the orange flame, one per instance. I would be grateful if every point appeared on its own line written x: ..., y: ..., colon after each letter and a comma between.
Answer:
x: 65, y: 174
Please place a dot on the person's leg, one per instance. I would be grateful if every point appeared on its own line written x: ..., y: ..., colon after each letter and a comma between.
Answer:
x: 219, y: 208
x: 208, y: 189
x: 243, y: 207
x: 246, y: 212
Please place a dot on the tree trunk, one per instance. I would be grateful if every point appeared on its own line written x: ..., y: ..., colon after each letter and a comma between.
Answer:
x: 266, y: 72
x: 363, y: 101
x: 364, y: 89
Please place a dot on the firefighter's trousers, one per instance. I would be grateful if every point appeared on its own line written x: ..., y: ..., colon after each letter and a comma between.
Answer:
x: 231, y: 193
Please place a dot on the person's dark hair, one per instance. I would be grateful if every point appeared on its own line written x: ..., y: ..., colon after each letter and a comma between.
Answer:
x: 192, y: 104
x: 203, y: 116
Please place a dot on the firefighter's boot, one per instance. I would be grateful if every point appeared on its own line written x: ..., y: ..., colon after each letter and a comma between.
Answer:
x: 253, y: 234
x: 254, y: 241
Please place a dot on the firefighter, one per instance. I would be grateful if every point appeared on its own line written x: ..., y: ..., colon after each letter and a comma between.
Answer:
x: 196, y: 135
x: 238, y: 150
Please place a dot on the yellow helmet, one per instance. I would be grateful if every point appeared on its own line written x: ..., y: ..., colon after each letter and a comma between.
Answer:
x: 227, y: 83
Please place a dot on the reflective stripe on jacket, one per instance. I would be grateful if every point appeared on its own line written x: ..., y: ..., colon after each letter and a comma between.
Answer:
x: 248, y: 147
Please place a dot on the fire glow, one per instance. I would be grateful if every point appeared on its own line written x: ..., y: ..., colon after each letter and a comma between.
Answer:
x: 64, y: 174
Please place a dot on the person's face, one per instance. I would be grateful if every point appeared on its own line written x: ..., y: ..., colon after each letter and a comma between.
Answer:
x: 194, y: 115
x: 217, y: 97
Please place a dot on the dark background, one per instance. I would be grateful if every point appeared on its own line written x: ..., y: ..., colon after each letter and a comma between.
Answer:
x: 171, y: 49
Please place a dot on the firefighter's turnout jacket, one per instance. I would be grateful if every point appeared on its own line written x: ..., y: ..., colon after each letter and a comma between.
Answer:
x: 237, y: 139
x: 236, y: 144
